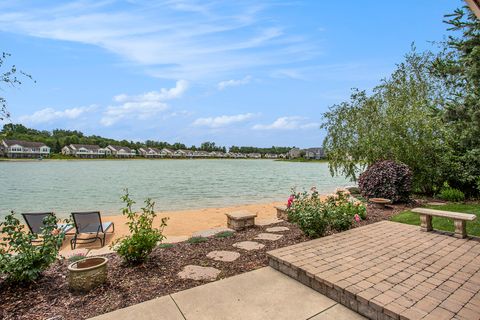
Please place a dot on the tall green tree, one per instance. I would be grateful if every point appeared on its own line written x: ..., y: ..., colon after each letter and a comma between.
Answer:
x: 459, y: 68
x: 398, y: 121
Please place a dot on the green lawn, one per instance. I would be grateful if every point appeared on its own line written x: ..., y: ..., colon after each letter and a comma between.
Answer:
x: 473, y: 228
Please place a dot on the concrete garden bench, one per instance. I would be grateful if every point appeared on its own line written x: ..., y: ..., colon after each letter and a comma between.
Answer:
x: 239, y: 220
x: 459, y: 220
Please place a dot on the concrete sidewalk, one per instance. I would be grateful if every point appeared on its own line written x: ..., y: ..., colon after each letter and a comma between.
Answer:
x: 261, y: 294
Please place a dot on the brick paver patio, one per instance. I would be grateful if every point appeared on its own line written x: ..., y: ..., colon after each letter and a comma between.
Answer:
x: 389, y: 270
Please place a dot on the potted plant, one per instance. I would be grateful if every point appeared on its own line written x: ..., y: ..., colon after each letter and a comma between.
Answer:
x: 88, y: 273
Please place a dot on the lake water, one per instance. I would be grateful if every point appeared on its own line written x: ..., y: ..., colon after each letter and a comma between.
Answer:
x: 65, y: 186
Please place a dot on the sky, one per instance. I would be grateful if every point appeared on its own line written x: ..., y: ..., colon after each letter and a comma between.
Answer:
x: 251, y: 73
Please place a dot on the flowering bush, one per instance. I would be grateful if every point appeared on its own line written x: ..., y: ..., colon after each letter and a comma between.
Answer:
x: 315, y: 217
x: 143, y: 237
x: 20, y: 259
x: 386, y: 179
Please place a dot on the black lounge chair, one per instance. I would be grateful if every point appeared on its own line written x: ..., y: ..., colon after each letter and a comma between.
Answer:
x: 90, y: 223
x: 35, y: 223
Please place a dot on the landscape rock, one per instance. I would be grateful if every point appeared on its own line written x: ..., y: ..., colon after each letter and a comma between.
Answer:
x: 199, y: 273
x: 277, y: 229
x: 268, y: 236
x: 248, y: 245
x: 266, y: 222
x: 226, y: 256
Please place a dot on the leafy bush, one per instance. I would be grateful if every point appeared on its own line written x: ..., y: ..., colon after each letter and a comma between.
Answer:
x: 136, y: 247
x: 315, y: 217
x: 20, y: 259
x: 451, y: 194
x: 195, y: 240
x: 387, y: 179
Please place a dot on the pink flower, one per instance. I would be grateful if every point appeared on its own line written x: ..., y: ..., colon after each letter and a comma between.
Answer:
x: 290, y: 201
x: 357, y: 218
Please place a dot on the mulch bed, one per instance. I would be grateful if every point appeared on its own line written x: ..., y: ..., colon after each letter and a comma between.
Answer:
x: 50, y: 296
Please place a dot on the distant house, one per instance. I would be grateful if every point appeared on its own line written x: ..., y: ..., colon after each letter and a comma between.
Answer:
x: 282, y: 155
x: 149, y: 152
x: 314, y: 153
x: 180, y: 154
x: 166, y: 153
x: 254, y: 155
x: 121, y: 152
x: 85, y: 151
x: 24, y: 149
x: 294, y: 153
x: 270, y: 156
x: 200, y: 154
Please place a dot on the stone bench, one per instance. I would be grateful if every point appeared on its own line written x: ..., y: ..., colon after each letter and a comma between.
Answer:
x: 459, y: 220
x: 240, y: 220
x: 282, y: 212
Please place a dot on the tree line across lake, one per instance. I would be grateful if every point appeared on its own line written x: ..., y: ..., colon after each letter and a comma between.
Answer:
x: 58, y: 138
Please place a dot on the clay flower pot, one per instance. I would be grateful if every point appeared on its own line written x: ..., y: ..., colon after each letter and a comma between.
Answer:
x: 88, y: 273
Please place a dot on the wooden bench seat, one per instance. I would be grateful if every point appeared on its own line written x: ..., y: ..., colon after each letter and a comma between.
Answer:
x: 459, y: 219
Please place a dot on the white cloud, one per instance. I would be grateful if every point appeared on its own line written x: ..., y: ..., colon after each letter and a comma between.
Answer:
x: 233, y: 83
x: 287, y: 123
x: 169, y: 39
x: 222, y: 121
x: 142, y: 106
x: 49, y: 114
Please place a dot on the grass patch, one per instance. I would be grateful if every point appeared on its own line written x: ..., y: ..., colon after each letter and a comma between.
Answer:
x: 165, y: 245
x: 224, y: 234
x: 473, y: 227
x: 195, y: 240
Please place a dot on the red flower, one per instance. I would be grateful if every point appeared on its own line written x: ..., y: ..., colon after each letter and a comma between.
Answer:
x: 290, y: 201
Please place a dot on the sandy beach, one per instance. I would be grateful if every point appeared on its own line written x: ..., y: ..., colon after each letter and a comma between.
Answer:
x: 182, y: 224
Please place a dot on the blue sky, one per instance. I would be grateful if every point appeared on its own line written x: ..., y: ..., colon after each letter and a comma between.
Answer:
x: 235, y: 72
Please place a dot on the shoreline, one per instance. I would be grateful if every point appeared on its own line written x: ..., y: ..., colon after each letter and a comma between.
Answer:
x: 120, y: 159
x: 182, y: 224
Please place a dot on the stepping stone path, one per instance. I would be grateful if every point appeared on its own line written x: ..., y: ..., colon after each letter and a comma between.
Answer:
x: 226, y: 256
x: 199, y: 273
x: 277, y: 229
x: 248, y: 245
x: 268, y: 236
x: 436, y: 203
